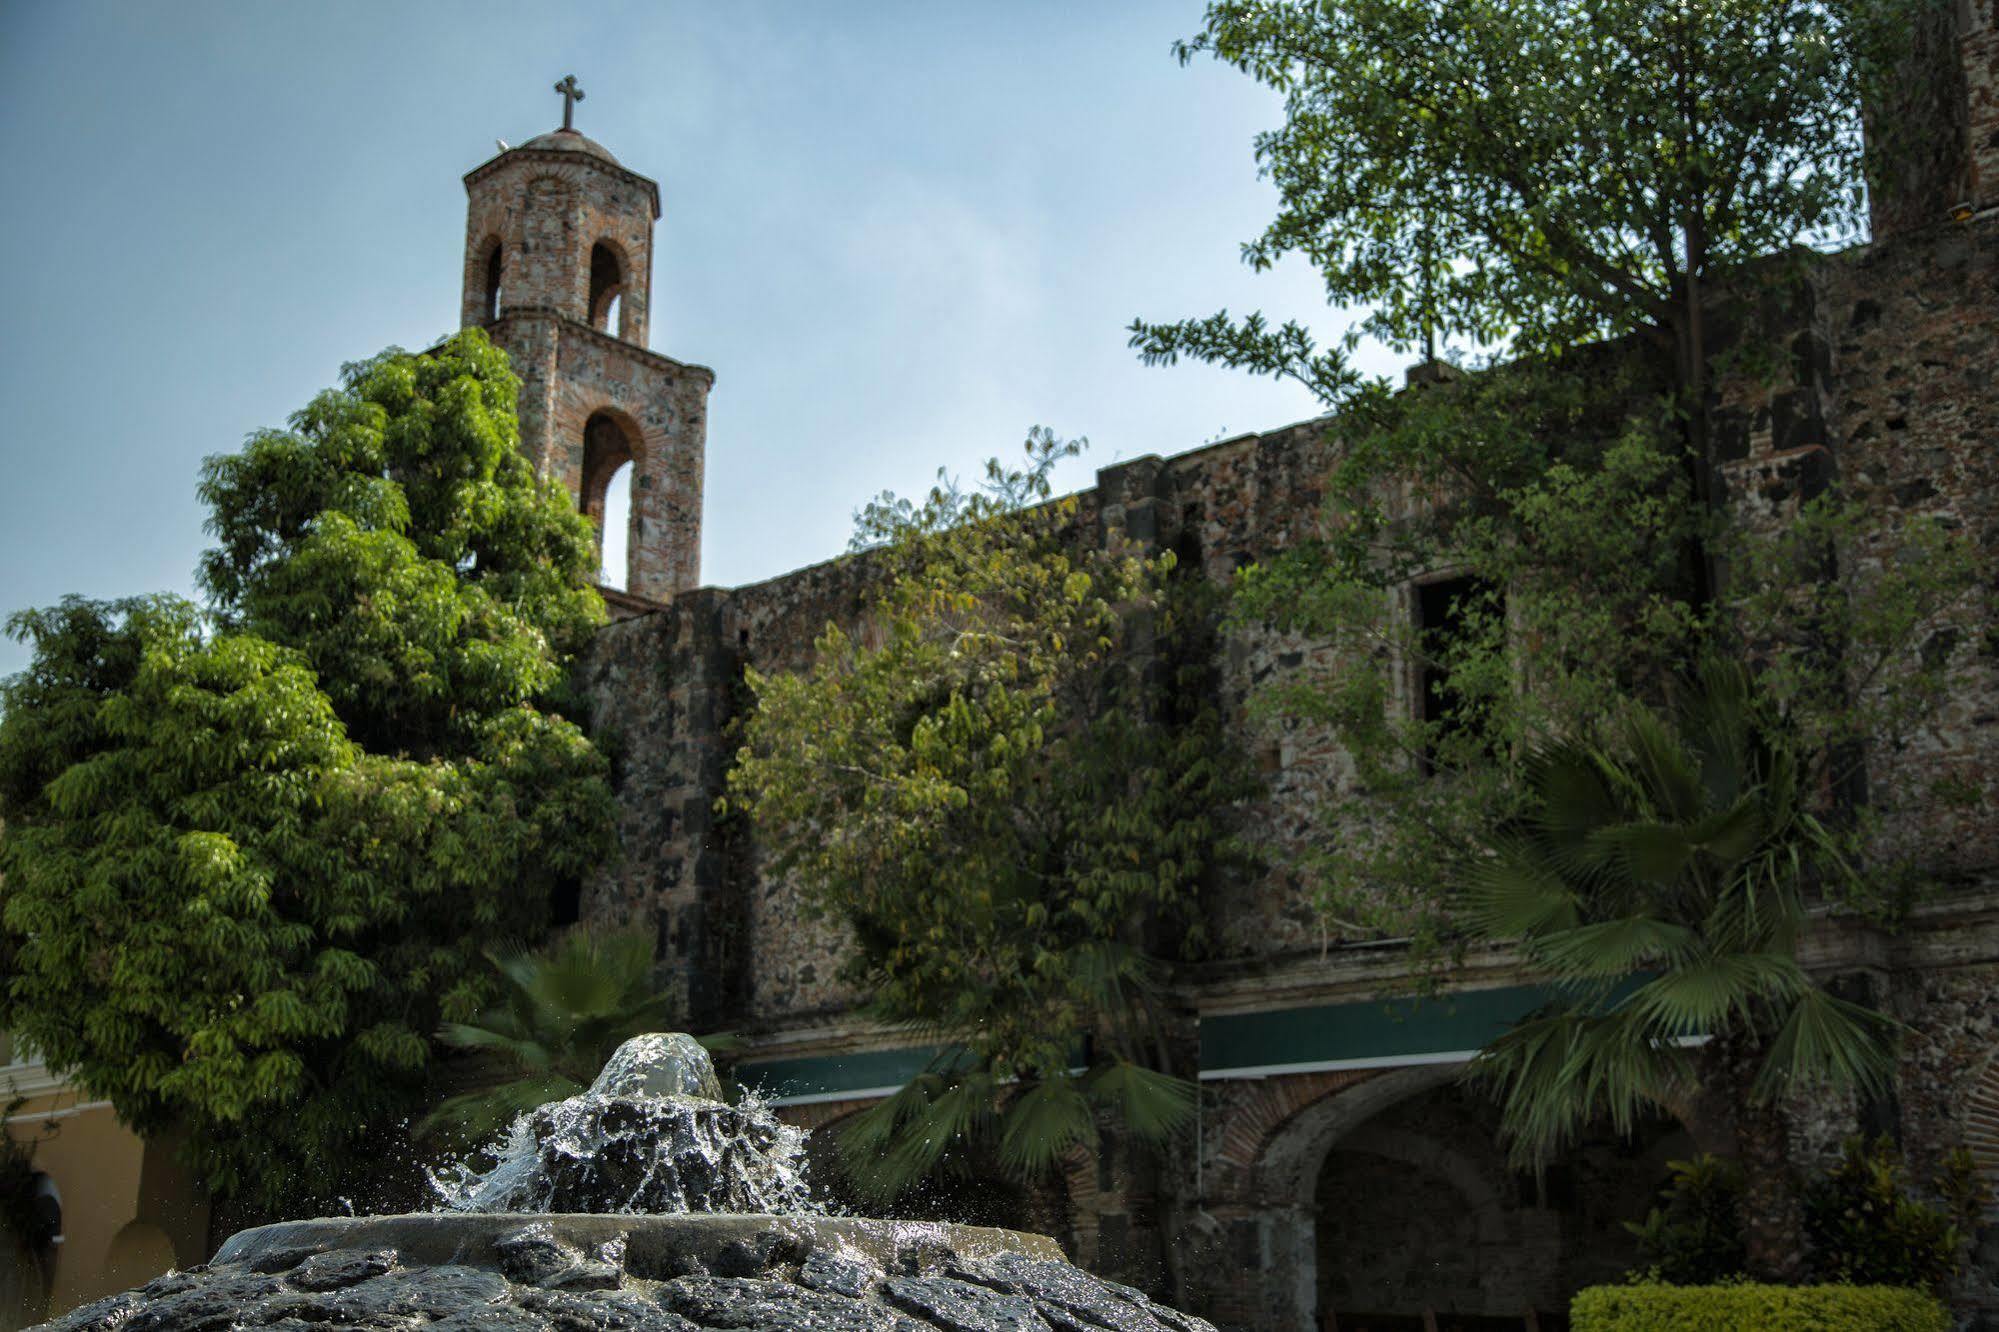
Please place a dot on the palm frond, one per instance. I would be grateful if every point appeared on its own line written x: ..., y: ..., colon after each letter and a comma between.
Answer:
x: 1831, y: 1042
x: 1732, y: 833
x: 1558, y: 1070
x: 1574, y: 794
x: 920, y: 1142
x: 478, y: 1115
x: 1039, y: 1126
x: 1705, y: 996
x: 868, y: 1134
x: 1525, y: 1069
x: 1652, y: 853
x: 1514, y: 894
x: 1621, y: 1069
x: 1612, y: 949
x: 1664, y: 770
x: 1151, y: 1103
x: 519, y: 1051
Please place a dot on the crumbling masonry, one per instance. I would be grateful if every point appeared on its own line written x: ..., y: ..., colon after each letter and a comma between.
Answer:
x: 1331, y: 1135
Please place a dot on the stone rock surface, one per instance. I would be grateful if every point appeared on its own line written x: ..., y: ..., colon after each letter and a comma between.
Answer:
x: 579, y: 1274
x: 661, y: 1063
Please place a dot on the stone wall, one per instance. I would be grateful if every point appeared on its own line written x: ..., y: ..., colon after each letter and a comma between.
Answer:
x: 1892, y: 391
x: 1889, y: 392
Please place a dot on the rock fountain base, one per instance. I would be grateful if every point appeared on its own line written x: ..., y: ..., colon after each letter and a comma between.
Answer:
x: 699, y: 1219
x: 582, y: 1273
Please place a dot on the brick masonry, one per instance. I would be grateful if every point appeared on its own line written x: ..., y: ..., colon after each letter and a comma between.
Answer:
x: 556, y: 234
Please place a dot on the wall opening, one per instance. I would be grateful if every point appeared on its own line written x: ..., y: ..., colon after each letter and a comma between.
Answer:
x: 491, y: 300
x: 616, y: 531
x: 610, y: 447
x: 1422, y: 1223
x: 1452, y: 616
x: 607, y: 285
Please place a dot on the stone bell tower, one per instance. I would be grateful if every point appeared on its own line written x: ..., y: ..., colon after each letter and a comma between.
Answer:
x: 558, y: 270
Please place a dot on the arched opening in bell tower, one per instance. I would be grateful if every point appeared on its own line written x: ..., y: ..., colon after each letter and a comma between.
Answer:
x: 607, y: 288
x: 604, y: 491
x: 489, y: 301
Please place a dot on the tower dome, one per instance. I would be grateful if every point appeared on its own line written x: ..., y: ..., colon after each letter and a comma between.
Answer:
x: 566, y: 141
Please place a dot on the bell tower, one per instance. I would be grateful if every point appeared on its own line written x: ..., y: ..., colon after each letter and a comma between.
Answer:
x: 558, y: 271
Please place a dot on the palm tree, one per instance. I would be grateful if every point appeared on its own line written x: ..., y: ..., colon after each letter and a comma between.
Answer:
x: 1661, y: 879
x: 967, y: 1115
x: 560, y: 1015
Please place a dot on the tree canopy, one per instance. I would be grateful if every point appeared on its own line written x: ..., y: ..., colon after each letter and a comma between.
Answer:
x: 252, y: 852
x: 1007, y: 808
x: 1538, y: 176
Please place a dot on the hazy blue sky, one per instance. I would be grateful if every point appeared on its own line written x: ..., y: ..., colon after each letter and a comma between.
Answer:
x: 901, y: 234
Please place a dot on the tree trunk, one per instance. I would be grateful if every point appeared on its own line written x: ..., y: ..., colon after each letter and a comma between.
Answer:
x: 1773, y: 1219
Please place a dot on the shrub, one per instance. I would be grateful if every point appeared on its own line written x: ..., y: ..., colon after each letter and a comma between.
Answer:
x: 1696, y: 1237
x: 1649, y: 1307
x: 1865, y: 1227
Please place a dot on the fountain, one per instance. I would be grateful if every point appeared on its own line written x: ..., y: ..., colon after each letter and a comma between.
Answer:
x: 646, y: 1204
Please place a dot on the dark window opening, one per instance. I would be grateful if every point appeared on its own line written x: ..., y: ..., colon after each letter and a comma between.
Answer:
x: 607, y: 283
x: 1450, y: 616
x: 493, y: 286
x: 565, y: 902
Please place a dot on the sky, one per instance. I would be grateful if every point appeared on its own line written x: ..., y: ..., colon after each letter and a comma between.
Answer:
x: 900, y: 233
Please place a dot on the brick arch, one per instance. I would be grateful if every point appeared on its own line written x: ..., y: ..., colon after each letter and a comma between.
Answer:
x: 1981, y: 1122
x: 603, y: 287
x: 1262, y: 1111
x: 485, y: 276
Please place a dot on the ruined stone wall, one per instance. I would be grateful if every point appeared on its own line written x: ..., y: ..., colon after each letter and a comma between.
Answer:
x: 1891, y: 392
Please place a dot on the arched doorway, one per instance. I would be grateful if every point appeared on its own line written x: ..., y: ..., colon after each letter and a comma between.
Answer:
x: 1392, y: 1208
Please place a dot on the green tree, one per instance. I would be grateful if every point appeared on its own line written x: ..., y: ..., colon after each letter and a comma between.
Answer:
x: 561, y: 1014
x: 1661, y: 881
x: 1011, y: 812
x: 1539, y: 175
x: 252, y: 854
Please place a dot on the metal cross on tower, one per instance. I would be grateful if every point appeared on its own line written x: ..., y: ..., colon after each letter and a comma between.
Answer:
x: 571, y: 95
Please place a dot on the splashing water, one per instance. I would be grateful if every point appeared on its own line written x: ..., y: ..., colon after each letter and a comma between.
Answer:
x: 647, y: 1137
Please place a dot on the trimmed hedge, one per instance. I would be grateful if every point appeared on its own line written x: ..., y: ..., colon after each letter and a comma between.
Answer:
x: 1649, y: 1307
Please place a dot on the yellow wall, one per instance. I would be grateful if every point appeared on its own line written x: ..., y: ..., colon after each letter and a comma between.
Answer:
x: 129, y: 1209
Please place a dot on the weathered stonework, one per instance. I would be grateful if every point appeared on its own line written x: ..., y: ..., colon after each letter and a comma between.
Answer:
x: 558, y: 235
x: 1889, y: 393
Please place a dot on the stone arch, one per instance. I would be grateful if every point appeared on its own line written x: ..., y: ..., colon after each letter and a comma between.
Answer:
x: 612, y: 443
x: 491, y: 271
x: 610, y: 282
x: 1540, y: 1234
x: 1292, y: 1150
x: 1981, y: 1122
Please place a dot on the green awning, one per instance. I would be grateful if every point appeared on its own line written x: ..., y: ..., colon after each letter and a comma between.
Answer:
x: 835, y: 1077
x: 1372, y: 1033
